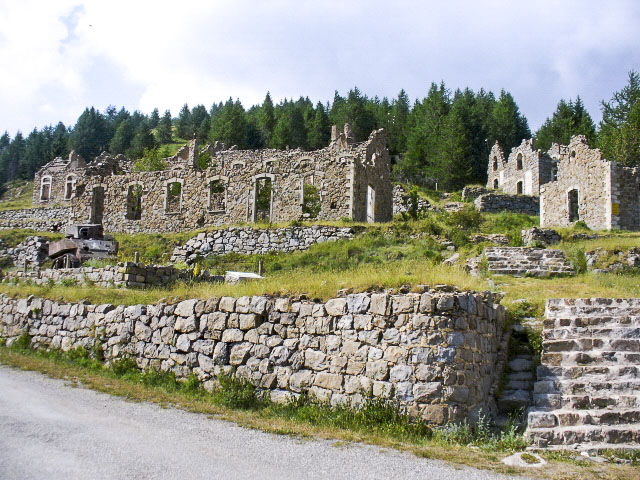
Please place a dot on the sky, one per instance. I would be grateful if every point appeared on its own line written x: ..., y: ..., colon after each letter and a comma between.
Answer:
x: 59, y: 56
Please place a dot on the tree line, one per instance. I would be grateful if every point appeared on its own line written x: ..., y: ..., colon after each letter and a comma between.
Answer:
x: 444, y: 137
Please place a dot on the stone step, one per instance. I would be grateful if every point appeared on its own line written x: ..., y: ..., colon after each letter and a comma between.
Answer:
x: 604, y: 372
x: 568, y: 418
x: 586, y: 434
x: 598, y: 357
x: 588, y: 385
x: 588, y: 344
x: 590, y: 322
x: 514, y: 399
x: 582, y: 402
x: 596, y: 332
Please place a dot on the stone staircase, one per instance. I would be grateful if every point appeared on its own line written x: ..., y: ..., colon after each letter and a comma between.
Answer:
x: 587, y: 395
x: 520, y: 261
x: 516, y: 396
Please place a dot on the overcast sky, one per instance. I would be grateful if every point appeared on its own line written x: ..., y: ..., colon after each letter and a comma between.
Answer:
x: 59, y: 56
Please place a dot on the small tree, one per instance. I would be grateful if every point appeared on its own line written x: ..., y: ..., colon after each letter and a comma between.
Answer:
x: 150, y: 161
x: 311, y: 200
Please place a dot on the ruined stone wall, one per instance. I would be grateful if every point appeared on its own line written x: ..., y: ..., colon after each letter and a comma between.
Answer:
x: 341, y: 173
x: 57, y: 174
x: 40, y: 219
x: 585, y: 170
x: 435, y: 352
x: 127, y: 275
x: 247, y: 240
x: 525, y: 165
x: 496, y: 203
x: 625, y: 193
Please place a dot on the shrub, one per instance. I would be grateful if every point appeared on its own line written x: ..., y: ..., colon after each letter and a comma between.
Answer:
x: 151, y: 161
x: 578, y: 260
x: 236, y: 392
x: 23, y: 342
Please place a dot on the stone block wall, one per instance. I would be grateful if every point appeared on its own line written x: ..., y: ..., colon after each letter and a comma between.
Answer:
x: 247, y: 240
x: 434, y: 352
x: 351, y: 179
x: 471, y: 193
x: 584, y: 170
x: 127, y: 274
x: 39, y: 219
x: 588, y: 391
x: 525, y: 165
x: 496, y: 203
x: 520, y: 261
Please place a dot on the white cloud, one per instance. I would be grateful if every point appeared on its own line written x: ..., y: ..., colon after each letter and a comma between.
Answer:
x: 58, y: 57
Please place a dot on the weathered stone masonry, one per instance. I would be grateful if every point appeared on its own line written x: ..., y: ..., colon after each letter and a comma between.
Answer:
x: 350, y: 180
x: 434, y: 352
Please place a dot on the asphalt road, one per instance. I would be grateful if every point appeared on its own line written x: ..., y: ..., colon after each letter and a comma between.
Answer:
x: 50, y: 430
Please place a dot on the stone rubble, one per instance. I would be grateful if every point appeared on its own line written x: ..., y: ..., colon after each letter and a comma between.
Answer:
x: 544, y: 236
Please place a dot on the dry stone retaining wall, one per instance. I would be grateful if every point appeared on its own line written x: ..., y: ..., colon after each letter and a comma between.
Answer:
x: 496, y: 203
x: 248, y: 240
x: 435, y: 352
x: 127, y: 274
x: 520, y: 261
x: 588, y: 391
x: 40, y: 219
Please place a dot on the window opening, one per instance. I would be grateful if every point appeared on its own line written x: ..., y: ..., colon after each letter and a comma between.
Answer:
x: 174, y: 197
x: 216, y: 196
x: 134, y: 202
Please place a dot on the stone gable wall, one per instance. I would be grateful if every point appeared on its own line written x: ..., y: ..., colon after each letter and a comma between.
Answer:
x: 435, y: 352
x: 585, y: 170
x: 536, y: 169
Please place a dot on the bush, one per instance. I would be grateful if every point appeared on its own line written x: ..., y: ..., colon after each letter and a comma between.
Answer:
x: 235, y: 392
x: 578, y: 260
x: 23, y: 342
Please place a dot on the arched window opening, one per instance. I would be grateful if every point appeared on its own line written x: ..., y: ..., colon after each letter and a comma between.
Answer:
x: 519, y: 188
x: 519, y: 162
x: 495, y: 184
x: 263, y: 198
x: 495, y: 164
x: 45, y: 189
x: 69, y: 187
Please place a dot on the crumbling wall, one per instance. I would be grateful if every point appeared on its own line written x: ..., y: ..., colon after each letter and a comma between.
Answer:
x: 584, y: 170
x: 522, y: 172
x: 339, y: 173
x: 625, y: 197
x: 60, y: 176
x: 496, y: 203
x: 247, y: 240
x: 434, y: 352
x: 38, y: 219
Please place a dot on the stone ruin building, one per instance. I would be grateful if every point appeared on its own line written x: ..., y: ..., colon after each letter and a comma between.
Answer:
x: 574, y: 183
x: 589, y: 188
x: 522, y: 172
x: 346, y: 179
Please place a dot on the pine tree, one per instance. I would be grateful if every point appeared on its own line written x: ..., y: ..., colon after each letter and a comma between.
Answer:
x: 90, y: 135
x: 397, y: 129
x: 154, y: 119
x: 320, y: 131
x: 123, y: 137
x: 142, y: 140
x: 163, y: 130
x: 60, y: 141
x: 229, y: 124
x: 619, y: 136
x: 267, y: 119
x: 200, y: 122
x: 569, y: 119
x: 184, y: 127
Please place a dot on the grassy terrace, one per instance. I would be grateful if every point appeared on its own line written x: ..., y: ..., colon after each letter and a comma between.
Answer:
x: 403, y: 254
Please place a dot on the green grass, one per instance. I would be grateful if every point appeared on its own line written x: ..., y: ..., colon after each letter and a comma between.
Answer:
x: 16, y: 195
x: 12, y: 237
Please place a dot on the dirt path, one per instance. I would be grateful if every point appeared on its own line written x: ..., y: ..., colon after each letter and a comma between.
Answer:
x: 50, y: 430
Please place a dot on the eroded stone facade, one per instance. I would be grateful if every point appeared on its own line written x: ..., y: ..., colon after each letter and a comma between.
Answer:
x: 591, y: 189
x: 523, y: 172
x: 346, y: 179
